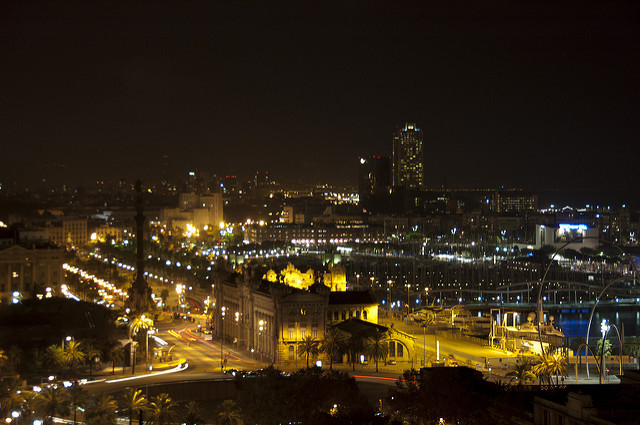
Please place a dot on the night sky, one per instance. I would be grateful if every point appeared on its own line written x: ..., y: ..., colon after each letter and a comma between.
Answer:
x: 521, y: 94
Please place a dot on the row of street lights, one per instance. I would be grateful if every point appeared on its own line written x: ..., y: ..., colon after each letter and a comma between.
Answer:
x: 261, y: 327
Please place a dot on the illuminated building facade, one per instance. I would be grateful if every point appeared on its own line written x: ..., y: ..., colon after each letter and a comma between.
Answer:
x: 29, y: 271
x: 558, y: 235
x: 72, y: 233
x: 273, y: 318
x: 317, y: 234
x: 105, y: 232
x: 194, y: 210
x: 514, y: 202
x: 408, y: 157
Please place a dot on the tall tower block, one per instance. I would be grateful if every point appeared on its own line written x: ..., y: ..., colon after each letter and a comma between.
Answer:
x: 407, y: 160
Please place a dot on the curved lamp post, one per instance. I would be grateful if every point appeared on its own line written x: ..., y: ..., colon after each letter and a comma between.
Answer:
x: 593, y: 309
x: 546, y: 271
x: 595, y: 358
x: 604, y: 328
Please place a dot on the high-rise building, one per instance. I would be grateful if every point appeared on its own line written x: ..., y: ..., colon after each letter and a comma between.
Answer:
x: 408, y: 160
x: 374, y: 177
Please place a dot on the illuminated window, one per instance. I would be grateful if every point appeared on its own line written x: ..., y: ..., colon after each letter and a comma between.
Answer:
x: 292, y: 331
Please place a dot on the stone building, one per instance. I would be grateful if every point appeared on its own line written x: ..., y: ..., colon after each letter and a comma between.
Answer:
x: 272, y: 318
x: 29, y: 271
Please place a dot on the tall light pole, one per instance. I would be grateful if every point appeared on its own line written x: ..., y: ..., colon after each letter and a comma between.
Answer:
x: 237, y: 318
x: 604, y: 328
x: 260, y: 329
x: 358, y: 281
x: 222, y: 337
x: 389, y: 289
x: 408, y: 285
x: 149, y: 332
x: 424, y: 344
x: 66, y: 338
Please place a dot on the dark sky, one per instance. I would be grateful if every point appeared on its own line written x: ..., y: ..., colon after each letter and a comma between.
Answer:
x: 530, y: 94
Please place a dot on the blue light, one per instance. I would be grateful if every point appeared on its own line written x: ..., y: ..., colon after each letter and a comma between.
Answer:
x: 564, y: 226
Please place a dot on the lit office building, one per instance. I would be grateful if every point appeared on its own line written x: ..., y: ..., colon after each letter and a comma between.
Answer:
x: 408, y: 168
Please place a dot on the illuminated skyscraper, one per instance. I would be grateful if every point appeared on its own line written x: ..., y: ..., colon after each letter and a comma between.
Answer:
x: 407, y: 167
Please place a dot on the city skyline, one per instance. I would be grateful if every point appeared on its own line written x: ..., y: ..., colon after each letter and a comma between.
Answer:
x: 522, y: 96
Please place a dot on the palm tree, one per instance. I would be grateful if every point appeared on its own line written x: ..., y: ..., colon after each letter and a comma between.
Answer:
x: 228, y: 413
x: 632, y: 347
x: 53, y: 358
x: 10, y: 395
x: 354, y: 346
x: 607, y: 348
x: 139, y: 322
x: 114, y: 352
x: 193, y: 414
x: 163, y: 409
x: 541, y: 370
x: 558, y: 366
x: 101, y: 411
x: 49, y: 403
x: 522, y: 372
x: 332, y: 344
x: 91, y: 353
x: 14, y: 354
x: 28, y: 406
x: 73, y: 353
x: 377, y: 346
x: 3, y: 358
x: 575, y: 346
x: 308, y: 347
x: 133, y: 401
x: 77, y: 397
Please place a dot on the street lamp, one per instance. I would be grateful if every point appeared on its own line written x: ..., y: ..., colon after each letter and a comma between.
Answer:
x: 357, y: 281
x: 66, y: 338
x: 604, y: 328
x: 260, y: 329
x: 149, y: 332
x: 223, y: 309
x: 408, y: 285
x: 389, y: 282
x: 424, y: 344
x: 237, y: 318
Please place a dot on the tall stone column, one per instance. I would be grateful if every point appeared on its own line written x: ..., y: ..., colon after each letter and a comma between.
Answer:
x: 140, y: 293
